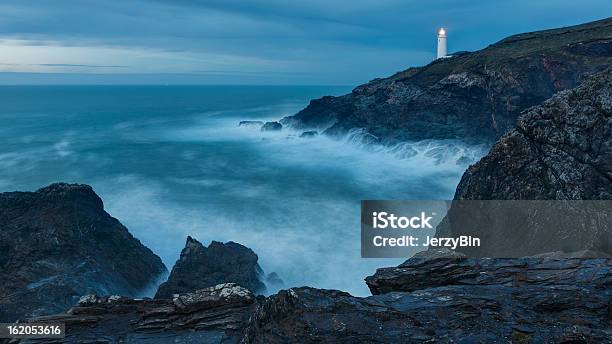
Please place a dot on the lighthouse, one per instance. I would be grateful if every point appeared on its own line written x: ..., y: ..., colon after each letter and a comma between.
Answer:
x: 441, y: 43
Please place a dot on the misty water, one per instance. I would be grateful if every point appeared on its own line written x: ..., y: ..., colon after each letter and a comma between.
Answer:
x: 171, y: 161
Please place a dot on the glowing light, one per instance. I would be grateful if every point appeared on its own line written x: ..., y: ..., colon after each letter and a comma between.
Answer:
x: 442, y: 32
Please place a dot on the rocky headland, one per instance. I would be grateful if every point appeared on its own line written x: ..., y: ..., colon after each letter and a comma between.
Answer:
x: 437, y: 296
x: 58, y: 244
x: 475, y: 97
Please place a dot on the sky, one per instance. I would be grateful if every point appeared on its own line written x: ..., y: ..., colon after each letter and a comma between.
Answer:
x: 310, y: 42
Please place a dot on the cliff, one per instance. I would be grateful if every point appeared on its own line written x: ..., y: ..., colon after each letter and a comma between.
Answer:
x: 560, y: 150
x: 57, y: 244
x: 474, y: 97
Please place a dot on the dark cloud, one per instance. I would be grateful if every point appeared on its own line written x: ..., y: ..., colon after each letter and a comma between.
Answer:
x: 342, y: 41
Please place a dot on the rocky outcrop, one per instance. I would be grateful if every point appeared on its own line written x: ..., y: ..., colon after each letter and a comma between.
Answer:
x: 450, y: 300
x: 201, y: 267
x: 212, y: 315
x: 271, y: 126
x: 472, y: 96
x: 57, y: 244
x: 429, y: 270
x: 560, y: 150
x: 436, y: 297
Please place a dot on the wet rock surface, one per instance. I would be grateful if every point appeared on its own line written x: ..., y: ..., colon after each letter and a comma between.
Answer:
x: 432, y: 270
x: 451, y: 300
x: 201, y: 267
x: 473, y: 96
x: 57, y: 244
x: 435, y: 297
x: 211, y: 315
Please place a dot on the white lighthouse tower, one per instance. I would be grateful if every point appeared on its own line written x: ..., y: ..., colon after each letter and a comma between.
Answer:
x: 441, y: 43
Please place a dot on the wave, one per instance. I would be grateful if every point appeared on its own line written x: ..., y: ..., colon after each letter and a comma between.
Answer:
x: 440, y: 151
x: 294, y: 201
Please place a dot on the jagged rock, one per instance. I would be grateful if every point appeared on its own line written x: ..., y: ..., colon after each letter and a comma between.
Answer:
x: 560, y: 150
x: 473, y: 96
x: 58, y: 244
x: 439, y: 297
x: 432, y: 270
x: 251, y: 124
x: 215, y: 295
x: 309, y: 134
x: 201, y: 267
x: 212, y: 315
x: 453, y: 314
x: 568, y: 255
x: 89, y: 299
x: 271, y: 126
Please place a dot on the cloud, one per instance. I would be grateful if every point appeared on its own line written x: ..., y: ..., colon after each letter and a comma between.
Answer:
x: 346, y: 41
x: 76, y: 65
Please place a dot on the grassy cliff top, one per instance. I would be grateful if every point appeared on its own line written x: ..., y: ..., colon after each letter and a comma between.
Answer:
x: 567, y: 44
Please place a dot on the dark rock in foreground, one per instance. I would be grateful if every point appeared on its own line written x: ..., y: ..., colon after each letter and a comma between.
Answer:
x: 431, y: 271
x: 450, y: 300
x: 432, y: 298
x: 474, y: 96
x: 57, y: 244
x: 271, y: 126
x: 213, y: 315
x: 201, y: 267
x: 474, y: 314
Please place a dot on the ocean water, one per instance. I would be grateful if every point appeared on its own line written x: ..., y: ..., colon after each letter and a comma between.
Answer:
x: 170, y: 161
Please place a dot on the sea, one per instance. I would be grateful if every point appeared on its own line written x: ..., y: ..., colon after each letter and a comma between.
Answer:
x: 171, y: 161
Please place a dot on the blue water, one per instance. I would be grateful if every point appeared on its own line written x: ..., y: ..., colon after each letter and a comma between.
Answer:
x: 170, y: 161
